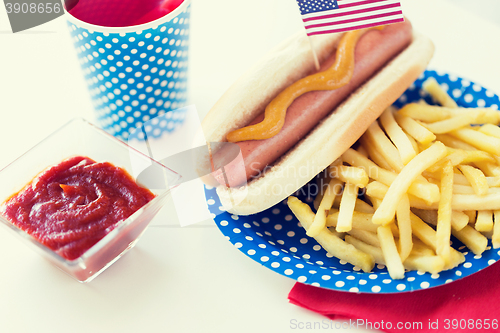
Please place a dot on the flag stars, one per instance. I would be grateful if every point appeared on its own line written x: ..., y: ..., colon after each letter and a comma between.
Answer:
x: 312, y: 6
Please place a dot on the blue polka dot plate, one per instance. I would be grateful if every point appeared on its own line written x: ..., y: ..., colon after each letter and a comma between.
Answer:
x: 275, y: 239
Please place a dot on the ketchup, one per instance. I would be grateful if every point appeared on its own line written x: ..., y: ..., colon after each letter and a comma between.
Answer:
x: 70, y: 206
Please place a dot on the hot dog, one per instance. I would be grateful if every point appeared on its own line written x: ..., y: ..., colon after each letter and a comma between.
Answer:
x: 319, y: 125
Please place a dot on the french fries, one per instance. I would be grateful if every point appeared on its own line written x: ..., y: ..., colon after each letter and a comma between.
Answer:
x: 425, y: 112
x: 330, y: 241
x: 417, y: 177
x: 425, y: 191
x: 385, y: 213
x: 375, y: 251
x: 404, y: 226
x: 477, y: 139
x: 454, y: 123
x: 443, y: 229
x: 415, y: 129
x: 319, y: 219
x: 377, y: 138
x: 390, y: 252
x: 439, y: 94
x: 472, y: 238
x: 484, y: 221
x: 397, y: 136
x: 353, y: 175
x: 496, y: 230
x: 491, y: 130
x: 476, y: 178
x: 346, y: 210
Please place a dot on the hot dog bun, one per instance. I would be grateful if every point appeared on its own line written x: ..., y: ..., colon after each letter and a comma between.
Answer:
x: 247, y: 97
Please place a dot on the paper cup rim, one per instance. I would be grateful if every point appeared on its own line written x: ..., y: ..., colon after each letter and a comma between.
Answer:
x: 132, y: 28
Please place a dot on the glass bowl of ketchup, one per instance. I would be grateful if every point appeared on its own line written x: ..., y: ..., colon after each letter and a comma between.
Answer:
x: 74, y: 198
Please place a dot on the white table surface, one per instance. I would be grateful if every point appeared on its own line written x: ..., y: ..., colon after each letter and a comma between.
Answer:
x: 181, y: 279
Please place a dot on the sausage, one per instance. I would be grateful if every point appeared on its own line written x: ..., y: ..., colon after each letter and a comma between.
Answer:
x: 373, y: 51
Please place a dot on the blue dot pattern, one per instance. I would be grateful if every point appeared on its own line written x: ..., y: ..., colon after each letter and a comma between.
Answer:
x: 275, y: 239
x: 136, y: 76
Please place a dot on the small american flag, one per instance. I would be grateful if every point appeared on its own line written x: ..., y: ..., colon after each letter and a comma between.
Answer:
x: 328, y: 16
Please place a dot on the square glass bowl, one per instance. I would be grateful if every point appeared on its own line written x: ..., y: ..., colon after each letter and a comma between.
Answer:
x: 79, y: 137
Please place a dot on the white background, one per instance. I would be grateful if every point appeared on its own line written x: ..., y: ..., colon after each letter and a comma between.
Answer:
x: 181, y: 279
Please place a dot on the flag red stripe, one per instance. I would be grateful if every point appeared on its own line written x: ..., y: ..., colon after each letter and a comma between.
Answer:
x: 355, y: 4
x: 353, y: 20
x: 351, y: 12
x: 355, y: 27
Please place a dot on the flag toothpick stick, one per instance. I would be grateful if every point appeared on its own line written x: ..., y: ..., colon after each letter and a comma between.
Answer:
x: 314, y: 55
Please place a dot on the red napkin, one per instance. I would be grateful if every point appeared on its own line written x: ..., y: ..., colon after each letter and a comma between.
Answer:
x: 470, y: 304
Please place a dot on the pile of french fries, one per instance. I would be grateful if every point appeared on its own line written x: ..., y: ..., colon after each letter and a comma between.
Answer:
x: 417, y: 176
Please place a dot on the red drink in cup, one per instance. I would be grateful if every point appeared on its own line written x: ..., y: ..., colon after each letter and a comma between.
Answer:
x: 134, y: 54
x: 120, y: 13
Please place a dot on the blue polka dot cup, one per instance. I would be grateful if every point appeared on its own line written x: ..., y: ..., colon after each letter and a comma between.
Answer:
x: 136, y: 73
